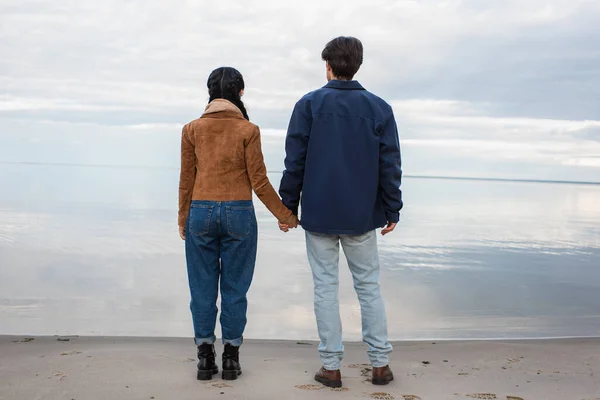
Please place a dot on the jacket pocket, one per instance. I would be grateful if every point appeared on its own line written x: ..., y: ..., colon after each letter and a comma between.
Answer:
x: 240, y: 221
x: 199, y: 219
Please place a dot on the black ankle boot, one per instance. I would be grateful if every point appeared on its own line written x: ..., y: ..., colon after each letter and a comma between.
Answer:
x: 207, y: 366
x: 231, y: 363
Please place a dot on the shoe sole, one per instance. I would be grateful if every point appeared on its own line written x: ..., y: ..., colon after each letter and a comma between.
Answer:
x: 382, y: 381
x: 230, y: 375
x: 206, y: 375
x: 329, y: 383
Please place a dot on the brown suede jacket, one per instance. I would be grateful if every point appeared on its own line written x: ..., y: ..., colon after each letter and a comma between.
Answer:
x: 222, y: 160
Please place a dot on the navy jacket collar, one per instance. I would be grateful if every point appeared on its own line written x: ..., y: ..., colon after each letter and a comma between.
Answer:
x: 344, y: 85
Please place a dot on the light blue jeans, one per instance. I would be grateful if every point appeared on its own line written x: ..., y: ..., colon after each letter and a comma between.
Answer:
x: 363, y: 260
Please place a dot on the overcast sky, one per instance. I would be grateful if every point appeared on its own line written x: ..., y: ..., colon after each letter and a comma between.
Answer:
x: 499, y: 88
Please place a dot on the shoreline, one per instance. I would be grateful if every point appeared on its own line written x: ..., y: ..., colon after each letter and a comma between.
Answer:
x: 87, y: 367
x: 311, y: 341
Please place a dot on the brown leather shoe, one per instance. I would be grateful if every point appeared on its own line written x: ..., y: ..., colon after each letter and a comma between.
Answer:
x: 382, y: 376
x: 329, y: 378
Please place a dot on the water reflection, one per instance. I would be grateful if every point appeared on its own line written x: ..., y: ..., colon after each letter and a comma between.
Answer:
x: 95, y: 251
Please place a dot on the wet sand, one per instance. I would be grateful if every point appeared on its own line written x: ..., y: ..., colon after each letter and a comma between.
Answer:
x: 87, y: 368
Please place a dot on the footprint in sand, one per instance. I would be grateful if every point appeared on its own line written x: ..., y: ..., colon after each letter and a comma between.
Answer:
x: 411, y: 397
x: 221, y: 385
x: 70, y: 353
x: 365, y: 369
x: 309, y: 387
x: 514, y: 398
x: 381, y: 396
x: 483, y: 396
x: 60, y: 376
x: 342, y: 389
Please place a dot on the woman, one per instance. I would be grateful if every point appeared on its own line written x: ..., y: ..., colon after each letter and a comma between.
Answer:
x: 221, y: 163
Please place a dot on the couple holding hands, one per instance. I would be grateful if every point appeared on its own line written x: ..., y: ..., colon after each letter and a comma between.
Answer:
x: 342, y: 162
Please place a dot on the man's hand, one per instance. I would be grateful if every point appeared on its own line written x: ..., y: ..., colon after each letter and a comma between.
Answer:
x: 182, y: 232
x: 283, y: 227
x: 389, y: 228
x: 286, y: 227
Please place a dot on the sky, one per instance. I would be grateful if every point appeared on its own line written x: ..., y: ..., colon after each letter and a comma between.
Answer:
x: 480, y: 88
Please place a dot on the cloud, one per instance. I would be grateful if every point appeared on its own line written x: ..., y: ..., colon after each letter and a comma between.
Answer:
x: 460, y: 119
x: 510, y: 73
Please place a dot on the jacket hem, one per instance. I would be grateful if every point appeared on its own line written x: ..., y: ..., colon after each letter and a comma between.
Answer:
x: 352, y: 232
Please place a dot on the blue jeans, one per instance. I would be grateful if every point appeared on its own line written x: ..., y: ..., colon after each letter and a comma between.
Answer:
x: 363, y: 260
x: 220, y: 246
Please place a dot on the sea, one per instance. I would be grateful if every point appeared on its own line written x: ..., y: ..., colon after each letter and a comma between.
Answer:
x: 92, y: 248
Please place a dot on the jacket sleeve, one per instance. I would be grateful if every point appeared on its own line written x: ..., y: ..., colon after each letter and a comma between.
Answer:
x: 296, y: 147
x: 257, y: 172
x: 390, y: 170
x: 187, y: 176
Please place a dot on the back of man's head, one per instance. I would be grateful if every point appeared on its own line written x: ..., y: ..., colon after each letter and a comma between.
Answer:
x: 344, y: 55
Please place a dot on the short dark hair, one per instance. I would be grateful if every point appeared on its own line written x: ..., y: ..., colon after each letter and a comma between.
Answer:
x: 344, y: 55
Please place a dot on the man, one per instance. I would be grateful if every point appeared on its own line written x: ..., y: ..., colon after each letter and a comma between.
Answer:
x: 343, y: 161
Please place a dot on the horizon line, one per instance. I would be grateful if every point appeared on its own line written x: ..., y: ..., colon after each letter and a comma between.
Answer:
x: 410, y: 176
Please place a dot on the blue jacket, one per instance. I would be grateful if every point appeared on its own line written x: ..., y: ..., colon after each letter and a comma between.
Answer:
x: 343, y: 160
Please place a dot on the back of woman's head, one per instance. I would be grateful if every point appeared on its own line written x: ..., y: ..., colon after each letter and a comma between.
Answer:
x: 227, y: 83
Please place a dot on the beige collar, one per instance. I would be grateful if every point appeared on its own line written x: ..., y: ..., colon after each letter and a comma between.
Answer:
x: 219, y: 105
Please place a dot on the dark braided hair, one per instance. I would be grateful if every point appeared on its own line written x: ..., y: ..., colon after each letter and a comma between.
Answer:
x: 227, y: 83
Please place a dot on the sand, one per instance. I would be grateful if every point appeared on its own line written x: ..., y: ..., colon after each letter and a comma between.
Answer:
x: 86, y: 368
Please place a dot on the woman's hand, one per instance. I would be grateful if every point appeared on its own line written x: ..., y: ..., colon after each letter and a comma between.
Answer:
x: 182, y: 232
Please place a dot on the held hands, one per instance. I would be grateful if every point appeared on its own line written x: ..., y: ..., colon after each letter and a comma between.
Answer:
x: 283, y: 227
x: 290, y: 224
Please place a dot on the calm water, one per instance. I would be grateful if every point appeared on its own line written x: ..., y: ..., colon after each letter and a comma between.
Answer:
x: 95, y: 250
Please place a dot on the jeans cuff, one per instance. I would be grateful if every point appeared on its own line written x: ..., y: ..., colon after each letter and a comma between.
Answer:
x: 201, y: 341
x: 379, y: 364
x: 234, y: 342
